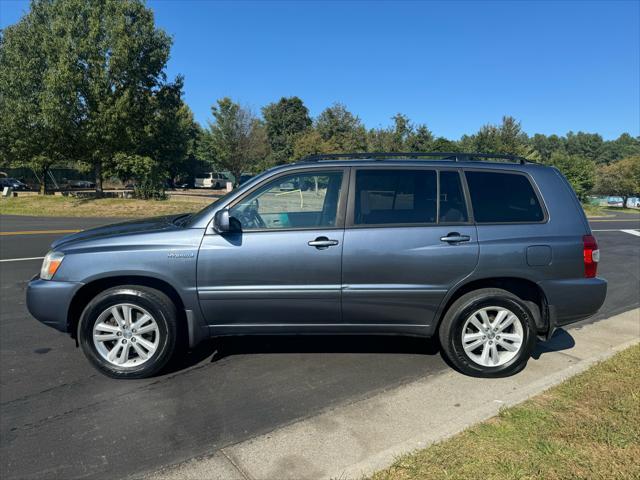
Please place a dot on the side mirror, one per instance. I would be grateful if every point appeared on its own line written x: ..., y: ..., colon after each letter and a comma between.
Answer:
x: 221, y: 222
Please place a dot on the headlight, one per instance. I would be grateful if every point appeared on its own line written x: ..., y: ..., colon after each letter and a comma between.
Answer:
x: 50, y: 265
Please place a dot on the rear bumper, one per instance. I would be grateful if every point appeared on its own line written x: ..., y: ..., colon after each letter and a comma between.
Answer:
x: 48, y: 301
x: 573, y: 300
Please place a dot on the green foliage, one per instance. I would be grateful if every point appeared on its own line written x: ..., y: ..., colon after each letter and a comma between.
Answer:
x: 84, y: 76
x: 620, y: 178
x: 340, y: 128
x: 236, y: 140
x: 37, y: 121
x: 579, y: 171
x: 285, y: 122
x: 507, y: 138
x: 403, y: 136
x: 148, y: 175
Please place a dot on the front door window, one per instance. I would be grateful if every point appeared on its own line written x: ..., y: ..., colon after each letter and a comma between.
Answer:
x: 296, y: 201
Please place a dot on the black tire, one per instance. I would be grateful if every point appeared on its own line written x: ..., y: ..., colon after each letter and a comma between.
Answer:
x: 450, y: 332
x: 157, y: 304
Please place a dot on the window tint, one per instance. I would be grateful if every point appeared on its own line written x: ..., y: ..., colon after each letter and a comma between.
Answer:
x: 294, y: 201
x: 395, y: 196
x: 503, y: 197
x: 452, y: 204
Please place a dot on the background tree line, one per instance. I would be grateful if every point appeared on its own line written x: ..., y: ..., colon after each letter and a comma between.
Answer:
x: 83, y: 83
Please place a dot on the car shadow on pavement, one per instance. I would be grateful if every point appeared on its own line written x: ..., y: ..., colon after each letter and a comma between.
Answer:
x: 561, y: 340
x: 219, y: 348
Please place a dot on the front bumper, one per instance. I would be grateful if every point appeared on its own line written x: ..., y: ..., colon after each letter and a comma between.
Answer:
x: 48, y: 301
x: 572, y: 300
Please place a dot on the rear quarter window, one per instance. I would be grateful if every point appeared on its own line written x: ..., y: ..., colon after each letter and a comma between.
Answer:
x: 503, y: 198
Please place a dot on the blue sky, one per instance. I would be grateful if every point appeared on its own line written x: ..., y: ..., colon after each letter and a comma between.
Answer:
x: 555, y: 66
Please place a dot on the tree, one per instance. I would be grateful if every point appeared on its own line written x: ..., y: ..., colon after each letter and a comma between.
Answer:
x: 38, y: 122
x: 420, y: 140
x: 442, y: 144
x: 285, y: 121
x: 341, y: 128
x: 148, y: 173
x: 311, y: 143
x: 506, y: 138
x: 92, y: 67
x: 622, y: 147
x: 546, y: 146
x: 621, y: 178
x: 585, y: 145
x: 579, y: 171
x: 235, y: 140
x: 172, y: 131
x: 400, y: 137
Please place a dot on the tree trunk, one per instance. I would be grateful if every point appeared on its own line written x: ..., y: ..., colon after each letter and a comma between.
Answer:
x: 43, y: 182
x: 624, y: 201
x: 236, y: 178
x: 99, y: 178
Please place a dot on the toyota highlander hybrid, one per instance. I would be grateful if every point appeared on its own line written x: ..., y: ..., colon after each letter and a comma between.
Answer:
x: 485, y: 252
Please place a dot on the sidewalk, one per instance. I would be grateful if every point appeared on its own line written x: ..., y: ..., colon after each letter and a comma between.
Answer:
x: 360, y: 438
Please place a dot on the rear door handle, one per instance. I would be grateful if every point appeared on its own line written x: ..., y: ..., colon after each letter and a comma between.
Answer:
x: 455, y: 237
x: 322, y: 242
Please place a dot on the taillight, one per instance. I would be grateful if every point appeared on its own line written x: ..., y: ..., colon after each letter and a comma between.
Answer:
x: 591, y: 256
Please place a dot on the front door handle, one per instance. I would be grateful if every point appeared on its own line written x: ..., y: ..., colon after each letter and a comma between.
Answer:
x: 322, y: 242
x: 455, y: 237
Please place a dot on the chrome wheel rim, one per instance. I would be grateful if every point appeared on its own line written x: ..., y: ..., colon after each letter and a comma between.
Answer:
x: 126, y: 335
x: 492, y: 336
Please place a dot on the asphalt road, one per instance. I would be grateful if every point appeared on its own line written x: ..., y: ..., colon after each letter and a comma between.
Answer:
x: 59, y: 418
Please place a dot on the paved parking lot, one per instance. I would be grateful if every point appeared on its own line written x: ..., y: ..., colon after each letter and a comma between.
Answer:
x: 62, y: 419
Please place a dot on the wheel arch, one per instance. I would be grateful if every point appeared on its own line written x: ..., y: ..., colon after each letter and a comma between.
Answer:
x: 88, y: 291
x: 529, y: 291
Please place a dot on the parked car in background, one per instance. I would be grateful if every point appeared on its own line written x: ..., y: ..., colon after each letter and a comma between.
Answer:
x: 80, y: 184
x: 614, y: 201
x: 487, y: 256
x: 12, y: 183
x: 214, y: 180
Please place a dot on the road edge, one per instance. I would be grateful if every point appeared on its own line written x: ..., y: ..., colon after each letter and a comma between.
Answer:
x: 356, y: 439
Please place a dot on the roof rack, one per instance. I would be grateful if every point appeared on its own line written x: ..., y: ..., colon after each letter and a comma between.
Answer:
x: 451, y: 156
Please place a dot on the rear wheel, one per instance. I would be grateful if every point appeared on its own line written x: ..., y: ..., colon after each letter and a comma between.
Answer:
x: 129, y: 331
x: 488, y: 333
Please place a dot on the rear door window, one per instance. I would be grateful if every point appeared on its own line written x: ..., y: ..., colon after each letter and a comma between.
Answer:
x: 503, y: 198
x: 395, y: 197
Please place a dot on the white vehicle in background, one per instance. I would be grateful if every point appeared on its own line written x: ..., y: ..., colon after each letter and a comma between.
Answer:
x: 211, y: 180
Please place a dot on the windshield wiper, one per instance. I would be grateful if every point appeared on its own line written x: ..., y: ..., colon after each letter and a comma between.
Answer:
x: 181, y: 219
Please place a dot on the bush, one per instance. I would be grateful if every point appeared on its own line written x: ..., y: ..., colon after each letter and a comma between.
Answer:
x: 149, y: 177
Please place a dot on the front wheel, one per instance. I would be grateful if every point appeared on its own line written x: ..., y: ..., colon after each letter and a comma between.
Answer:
x: 129, y: 331
x: 488, y: 333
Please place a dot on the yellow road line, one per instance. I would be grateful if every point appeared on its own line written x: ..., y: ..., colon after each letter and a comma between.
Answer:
x: 38, y: 232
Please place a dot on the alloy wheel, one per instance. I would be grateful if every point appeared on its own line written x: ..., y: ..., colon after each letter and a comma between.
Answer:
x: 126, y: 335
x: 492, y: 336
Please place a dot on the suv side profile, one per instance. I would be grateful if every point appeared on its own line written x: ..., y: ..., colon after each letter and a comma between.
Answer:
x: 486, y: 255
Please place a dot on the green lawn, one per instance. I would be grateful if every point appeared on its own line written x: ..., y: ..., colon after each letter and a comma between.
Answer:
x: 586, y: 428
x: 59, y: 206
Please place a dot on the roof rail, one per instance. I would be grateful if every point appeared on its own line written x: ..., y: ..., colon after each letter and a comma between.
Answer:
x: 438, y: 156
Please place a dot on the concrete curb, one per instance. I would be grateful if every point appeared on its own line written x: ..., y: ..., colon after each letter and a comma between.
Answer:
x: 357, y: 439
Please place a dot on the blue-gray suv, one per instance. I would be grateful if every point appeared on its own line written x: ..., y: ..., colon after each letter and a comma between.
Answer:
x: 486, y: 252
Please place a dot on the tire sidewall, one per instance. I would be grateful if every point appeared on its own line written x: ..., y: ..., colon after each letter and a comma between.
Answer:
x: 134, y: 297
x: 514, y: 365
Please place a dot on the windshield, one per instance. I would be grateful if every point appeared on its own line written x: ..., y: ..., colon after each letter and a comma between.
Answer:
x: 205, y: 212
